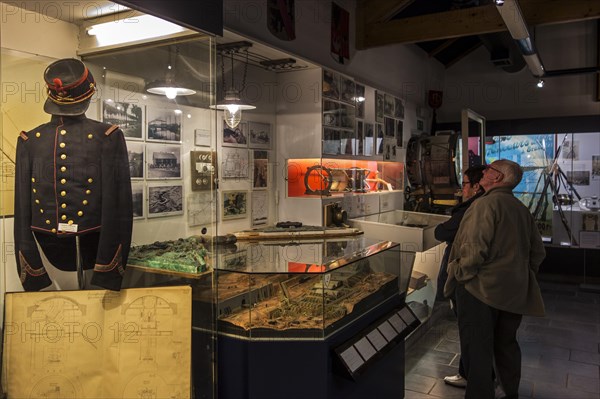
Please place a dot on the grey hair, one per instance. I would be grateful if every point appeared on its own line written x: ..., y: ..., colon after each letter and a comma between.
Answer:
x: 513, y: 173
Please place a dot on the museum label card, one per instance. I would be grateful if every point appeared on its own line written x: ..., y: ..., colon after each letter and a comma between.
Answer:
x: 365, y: 348
x: 352, y: 359
x: 387, y: 330
x: 377, y: 339
x: 397, y: 323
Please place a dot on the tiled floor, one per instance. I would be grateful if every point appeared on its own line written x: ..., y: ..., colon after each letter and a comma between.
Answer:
x: 561, y: 352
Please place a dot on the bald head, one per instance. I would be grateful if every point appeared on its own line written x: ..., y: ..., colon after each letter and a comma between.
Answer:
x: 502, y: 173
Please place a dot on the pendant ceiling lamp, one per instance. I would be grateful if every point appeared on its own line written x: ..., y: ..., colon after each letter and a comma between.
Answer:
x: 168, y: 86
x: 232, y: 104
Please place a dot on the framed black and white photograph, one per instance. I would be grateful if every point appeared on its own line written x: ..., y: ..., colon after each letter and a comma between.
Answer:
x: 347, y: 116
x: 202, y: 137
x: 235, y: 137
x: 260, y: 208
x: 234, y: 163
x: 570, y: 150
x: 578, y: 177
x: 234, y: 204
x: 595, y: 167
x: 164, y: 125
x: 259, y: 135
x: 163, y: 161
x: 399, y: 132
x: 135, y: 154
x: 348, y: 90
x: 138, y: 193
x: 165, y: 200
x: 331, y: 141
x: 331, y: 111
x: 129, y: 117
x: 390, y: 127
x: 360, y: 138
x: 379, y: 106
x: 360, y: 101
x: 347, y: 141
x: 398, y: 108
x: 369, y: 138
x: 260, y: 177
x: 331, y: 84
x: 388, y: 106
x: 379, y: 138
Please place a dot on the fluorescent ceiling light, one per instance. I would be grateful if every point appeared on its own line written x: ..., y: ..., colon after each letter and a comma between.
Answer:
x: 133, y: 29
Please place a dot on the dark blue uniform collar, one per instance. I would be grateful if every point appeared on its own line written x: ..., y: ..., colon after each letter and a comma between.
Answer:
x: 64, y: 118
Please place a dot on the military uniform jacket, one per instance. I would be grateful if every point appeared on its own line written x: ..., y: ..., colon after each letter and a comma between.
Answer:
x: 72, y: 179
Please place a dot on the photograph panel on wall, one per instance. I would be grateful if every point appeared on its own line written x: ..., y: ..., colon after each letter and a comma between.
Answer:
x: 260, y: 179
x: 331, y: 111
x: 260, y: 208
x: 578, y: 177
x: 165, y: 199
x: 331, y: 141
x: 347, y: 116
x: 595, y: 167
x: 260, y: 135
x: 202, y: 137
x: 129, y: 117
x: 331, y: 84
x: 347, y: 139
x: 360, y: 101
x: 388, y: 106
x: 234, y: 204
x: 164, y: 124
x: 236, y: 137
x: 570, y: 150
x: 201, y: 208
x: 360, y: 138
x: 379, y: 106
x: 235, y: 163
x: 399, y: 132
x: 379, y: 138
x: 348, y: 90
x: 138, y: 193
x: 203, y: 170
x: 163, y: 161
x: 135, y: 154
x: 398, y: 108
x: 390, y: 127
x: 369, y: 138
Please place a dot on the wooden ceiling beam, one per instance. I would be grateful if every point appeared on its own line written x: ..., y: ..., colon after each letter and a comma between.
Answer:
x: 464, y: 22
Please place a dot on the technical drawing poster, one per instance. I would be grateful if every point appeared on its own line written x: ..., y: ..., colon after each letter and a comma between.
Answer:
x: 135, y: 343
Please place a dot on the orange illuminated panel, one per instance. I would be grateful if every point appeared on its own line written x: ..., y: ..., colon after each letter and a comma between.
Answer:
x: 316, y: 176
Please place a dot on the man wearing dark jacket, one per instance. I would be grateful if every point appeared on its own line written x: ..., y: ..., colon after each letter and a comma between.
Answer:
x: 471, y: 190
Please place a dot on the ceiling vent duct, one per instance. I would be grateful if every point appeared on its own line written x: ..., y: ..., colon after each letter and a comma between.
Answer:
x: 513, y: 19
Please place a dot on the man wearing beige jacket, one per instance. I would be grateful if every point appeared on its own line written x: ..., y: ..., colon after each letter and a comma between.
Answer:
x: 492, y: 271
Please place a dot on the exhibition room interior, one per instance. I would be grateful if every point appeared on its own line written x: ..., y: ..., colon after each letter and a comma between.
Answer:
x: 288, y: 164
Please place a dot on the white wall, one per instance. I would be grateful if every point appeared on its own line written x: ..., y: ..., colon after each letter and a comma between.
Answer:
x: 402, y: 70
x: 476, y: 83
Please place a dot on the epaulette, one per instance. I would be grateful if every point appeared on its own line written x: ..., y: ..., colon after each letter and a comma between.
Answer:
x: 24, y: 136
x: 111, y: 129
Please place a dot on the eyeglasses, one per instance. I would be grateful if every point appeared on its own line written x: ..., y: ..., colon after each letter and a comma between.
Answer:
x: 488, y: 167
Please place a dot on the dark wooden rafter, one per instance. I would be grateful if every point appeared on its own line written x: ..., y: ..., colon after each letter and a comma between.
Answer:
x: 372, y: 31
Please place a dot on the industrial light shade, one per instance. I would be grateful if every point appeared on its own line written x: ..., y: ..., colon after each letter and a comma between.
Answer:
x: 168, y: 87
x: 232, y: 105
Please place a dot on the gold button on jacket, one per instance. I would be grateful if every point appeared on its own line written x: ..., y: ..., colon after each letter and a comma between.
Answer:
x: 93, y: 171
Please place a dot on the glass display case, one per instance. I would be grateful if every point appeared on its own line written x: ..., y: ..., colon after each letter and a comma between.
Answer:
x: 415, y: 232
x: 307, y: 289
